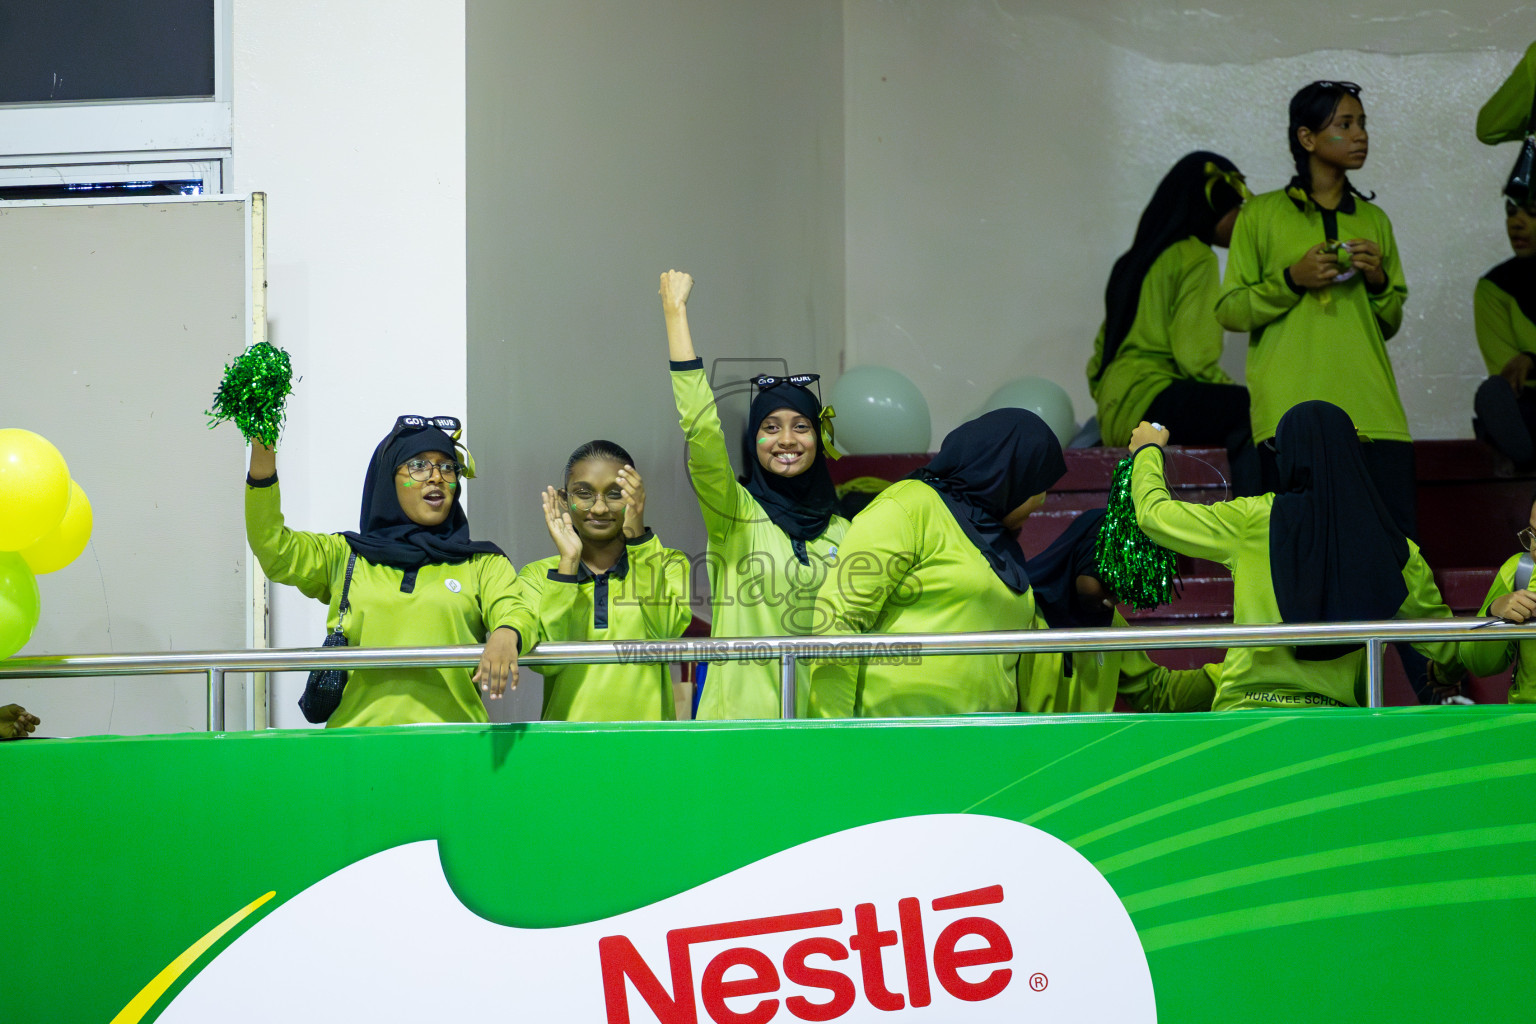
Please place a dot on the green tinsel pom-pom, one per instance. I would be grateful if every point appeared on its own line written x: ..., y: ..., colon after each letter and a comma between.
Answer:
x: 1134, y: 567
x: 253, y: 393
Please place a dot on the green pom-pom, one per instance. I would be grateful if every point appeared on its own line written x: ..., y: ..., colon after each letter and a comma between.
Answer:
x: 1134, y: 567
x: 253, y: 393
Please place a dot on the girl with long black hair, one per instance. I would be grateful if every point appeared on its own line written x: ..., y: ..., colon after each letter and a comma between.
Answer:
x: 1314, y: 279
x: 1157, y: 356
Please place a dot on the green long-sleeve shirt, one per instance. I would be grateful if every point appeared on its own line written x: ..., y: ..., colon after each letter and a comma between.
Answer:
x: 905, y: 566
x: 1329, y: 343
x: 1503, y: 329
x: 1490, y: 657
x: 1099, y: 676
x: 758, y: 587
x: 1236, y: 534
x: 459, y: 603
x: 1175, y: 336
x: 644, y: 596
x: 1505, y: 116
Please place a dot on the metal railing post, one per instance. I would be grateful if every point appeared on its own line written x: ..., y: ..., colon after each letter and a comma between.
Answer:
x: 1373, y: 686
x: 215, y: 699
x: 787, y: 695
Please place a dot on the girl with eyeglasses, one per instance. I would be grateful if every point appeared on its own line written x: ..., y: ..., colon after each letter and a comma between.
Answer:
x: 772, y: 533
x: 1509, y: 598
x: 938, y: 552
x: 1157, y: 356
x: 1315, y: 280
x: 610, y: 580
x: 1323, y: 549
x: 416, y: 578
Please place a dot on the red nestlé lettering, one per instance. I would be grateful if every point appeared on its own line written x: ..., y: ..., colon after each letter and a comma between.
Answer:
x: 622, y: 963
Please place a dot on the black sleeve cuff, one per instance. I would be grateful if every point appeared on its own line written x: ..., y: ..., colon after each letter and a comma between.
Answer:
x: 268, y: 482
x: 1143, y: 448
x: 696, y: 363
x: 632, y: 541
x: 559, y: 577
x: 1292, y: 285
x: 1386, y: 282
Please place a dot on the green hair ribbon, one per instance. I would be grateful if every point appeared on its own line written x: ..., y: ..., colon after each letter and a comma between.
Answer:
x: 1220, y: 176
x: 1135, y: 568
x: 828, y: 414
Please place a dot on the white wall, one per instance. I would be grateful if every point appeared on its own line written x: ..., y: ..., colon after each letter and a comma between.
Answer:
x: 611, y: 142
x: 997, y: 161
x: 349, y: 114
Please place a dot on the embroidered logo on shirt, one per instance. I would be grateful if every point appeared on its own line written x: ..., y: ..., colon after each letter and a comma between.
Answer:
x: 453, y: 585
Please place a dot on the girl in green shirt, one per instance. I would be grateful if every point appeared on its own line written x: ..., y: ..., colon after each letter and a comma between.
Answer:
x: 938, y: 552
x: 610, y: 580
x: 1325, y: 549
x: 1511, y: 599
x: 772, y: 533
x: 417, y: 579
x: 1070, y: 594
x: 1504, y: 313
x: 1157, y: 356
x: 1319, y: 313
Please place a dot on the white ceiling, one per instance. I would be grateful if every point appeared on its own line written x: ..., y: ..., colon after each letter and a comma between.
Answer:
x: 1244, y: 31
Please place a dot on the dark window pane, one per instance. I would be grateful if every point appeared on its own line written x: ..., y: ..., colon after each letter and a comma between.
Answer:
x: 64, y: 50
x: 103, y: 190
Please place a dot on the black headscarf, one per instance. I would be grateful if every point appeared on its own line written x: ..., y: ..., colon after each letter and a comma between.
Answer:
x: 386, y: 536
x: 1516, y: 277
x: 1180, y: 208
x: 1335, y: 554
x: 987, y: 468
x: 800, y: 505
x: 1053, y: 574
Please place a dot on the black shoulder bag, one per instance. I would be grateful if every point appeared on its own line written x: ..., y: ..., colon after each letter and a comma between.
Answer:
x: 322, y: 692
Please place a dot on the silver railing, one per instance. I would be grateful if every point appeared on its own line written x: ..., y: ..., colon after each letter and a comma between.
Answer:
x: 788, y: 651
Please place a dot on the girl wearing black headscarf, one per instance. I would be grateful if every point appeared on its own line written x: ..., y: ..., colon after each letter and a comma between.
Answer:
x: 1325, y: 549
x: 1070, y: 594
x: 939, y: 553
x: 772, y: 532
x: 1157, y: 356
x: 417, y: 579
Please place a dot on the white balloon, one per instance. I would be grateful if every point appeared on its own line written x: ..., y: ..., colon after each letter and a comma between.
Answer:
x: 1044, y: 398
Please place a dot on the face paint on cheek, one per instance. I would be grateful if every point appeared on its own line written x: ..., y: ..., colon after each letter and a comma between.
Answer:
x: 451, y: 485
x: 764, y: 440
x: 410, y: 483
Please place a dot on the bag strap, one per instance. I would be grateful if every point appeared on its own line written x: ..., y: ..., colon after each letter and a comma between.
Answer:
x: 345, y: 605
x: 1523, y: 571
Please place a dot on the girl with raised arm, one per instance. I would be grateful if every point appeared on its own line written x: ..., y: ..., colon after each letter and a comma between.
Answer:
x: 411, y: 573
x: 610, y: 580
x: 773, y: 533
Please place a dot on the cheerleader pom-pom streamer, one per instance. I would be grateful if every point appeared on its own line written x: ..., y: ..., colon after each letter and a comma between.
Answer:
x: 253, y: 393
x: 1136, y: 569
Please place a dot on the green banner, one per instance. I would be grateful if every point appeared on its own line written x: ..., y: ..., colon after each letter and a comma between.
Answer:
x: 1340, y: 865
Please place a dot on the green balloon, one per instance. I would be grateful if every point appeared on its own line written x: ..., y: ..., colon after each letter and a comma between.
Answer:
x: 879, y: 412
x: 1044, y: 398
x: 20, y: 604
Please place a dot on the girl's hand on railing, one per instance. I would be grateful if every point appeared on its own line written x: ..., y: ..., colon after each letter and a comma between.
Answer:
x: 16, y: 722
x: 1516, y: 607
x: 498, y: 664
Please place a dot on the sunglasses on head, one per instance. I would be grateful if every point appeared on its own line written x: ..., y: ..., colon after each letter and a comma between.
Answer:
x: 447, y: 424
x: 1349, y: 87
x: 764, y: 381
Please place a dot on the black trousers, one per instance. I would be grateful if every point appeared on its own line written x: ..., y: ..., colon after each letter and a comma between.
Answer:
x: 1198, y: 413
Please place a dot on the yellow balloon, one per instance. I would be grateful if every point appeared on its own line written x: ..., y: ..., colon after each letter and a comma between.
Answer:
x: 34, y: 488
x: 68, y: 539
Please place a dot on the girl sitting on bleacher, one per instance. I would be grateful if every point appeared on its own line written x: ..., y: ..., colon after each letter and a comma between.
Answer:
x: 1324, y: 549
x: 1511, y: 599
